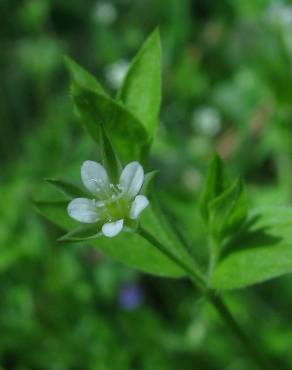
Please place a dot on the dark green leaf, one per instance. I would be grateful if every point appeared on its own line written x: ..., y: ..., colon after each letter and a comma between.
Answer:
x: 216, y: 182
x: 127, y: 134
x: 141, y: 90
x: 228, y: 211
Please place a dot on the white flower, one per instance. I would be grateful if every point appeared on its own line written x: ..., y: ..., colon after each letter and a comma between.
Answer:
x: 113, y: 205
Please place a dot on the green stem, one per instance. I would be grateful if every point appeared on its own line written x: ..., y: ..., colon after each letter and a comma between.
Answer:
x: 249, y: 345
x: 195, y: 275
x: 198, y: 279
x: 213, y: 253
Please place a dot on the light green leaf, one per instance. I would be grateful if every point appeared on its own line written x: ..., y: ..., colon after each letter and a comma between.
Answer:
x: 263, y: 252
x: 252, y: 266
x: 216, y: 183
x: 127, y: 134
x: 141, y: 90
x: 56, y: 212
x: 68, y: 188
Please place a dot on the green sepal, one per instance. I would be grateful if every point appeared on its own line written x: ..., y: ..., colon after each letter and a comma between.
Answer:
x: 109, y: 157
x: 68, y: 188
x: 148, y: 182
x: 82, y: 233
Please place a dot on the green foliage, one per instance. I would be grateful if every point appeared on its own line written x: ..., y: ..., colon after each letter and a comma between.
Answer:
x: 216, y: 183
x: 226, y: 86
x: 130, y: 121
x: 141, y: 89
x: 127, y: 247
x: 127, y: 133
x: 248, y: 250
x: 228, y: 211
x: 251, y: 266
x: 109, y: 157
x: 260, y: 252
x: 81, y: 77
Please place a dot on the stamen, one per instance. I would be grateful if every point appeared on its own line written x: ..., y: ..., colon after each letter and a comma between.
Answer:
x: 99, y: 204
x: 115, y: 189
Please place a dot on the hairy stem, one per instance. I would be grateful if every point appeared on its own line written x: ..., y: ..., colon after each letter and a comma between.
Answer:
x: 250, y: 347
x: 199, y: 281
x: 195, y: 275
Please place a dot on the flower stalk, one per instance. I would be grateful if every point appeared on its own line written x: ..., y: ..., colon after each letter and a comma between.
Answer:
x: 195, y: 275
x: 199, y: 281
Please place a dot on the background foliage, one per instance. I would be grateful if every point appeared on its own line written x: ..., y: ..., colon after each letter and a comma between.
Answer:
x: 226, y: 85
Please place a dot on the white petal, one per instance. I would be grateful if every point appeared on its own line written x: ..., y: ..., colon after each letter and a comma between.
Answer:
x: 139, y: 204
x: 132, y: 178
x: 95, y: 178
x: 111, y: 229
x: 83, y: 210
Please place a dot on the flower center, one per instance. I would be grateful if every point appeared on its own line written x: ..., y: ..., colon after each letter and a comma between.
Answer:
x: 113, y: 206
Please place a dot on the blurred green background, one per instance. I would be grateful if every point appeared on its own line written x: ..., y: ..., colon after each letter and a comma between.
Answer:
x: 227, y: 85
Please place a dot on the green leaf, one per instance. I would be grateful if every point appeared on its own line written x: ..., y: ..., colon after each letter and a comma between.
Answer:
x: 109, y: 157
x: 249, y: 267
x: 141, y: 90
x: 127, y: 134
x: 127, y: 247
x: 82, y: 77
x: 216, y: 183
x: 263, y: 253
x: 228, y: 211
x: 68, y: 188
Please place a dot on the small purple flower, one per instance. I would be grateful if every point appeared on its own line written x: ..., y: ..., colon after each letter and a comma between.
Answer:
x: 130, y: 297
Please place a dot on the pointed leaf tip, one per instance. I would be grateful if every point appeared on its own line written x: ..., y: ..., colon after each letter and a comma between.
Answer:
x: 141, y: 89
